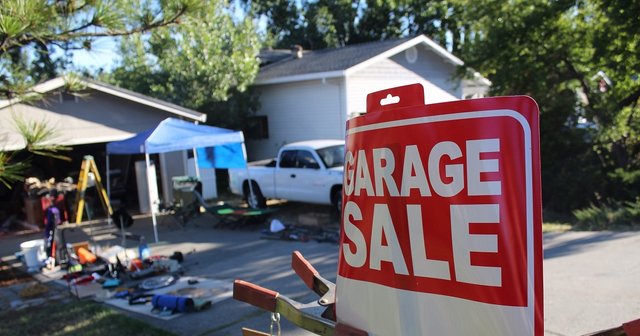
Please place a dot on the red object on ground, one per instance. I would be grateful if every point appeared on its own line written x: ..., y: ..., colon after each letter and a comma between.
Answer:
x: 82, y: 280
x: 136, y: 264
x: 84, y: 256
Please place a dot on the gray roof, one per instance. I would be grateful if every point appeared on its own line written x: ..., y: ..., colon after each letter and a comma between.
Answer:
x: 326, y: 60
x: 186, y: 112
x: 59, y: 82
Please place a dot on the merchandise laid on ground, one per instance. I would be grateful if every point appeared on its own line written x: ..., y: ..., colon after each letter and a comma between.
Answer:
x: 189, y: 203
x: 169, y: 296
x: 135, y: 280
x: 279, y: 231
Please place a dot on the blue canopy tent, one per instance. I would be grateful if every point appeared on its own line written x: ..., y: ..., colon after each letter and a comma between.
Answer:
x: 218, y: 147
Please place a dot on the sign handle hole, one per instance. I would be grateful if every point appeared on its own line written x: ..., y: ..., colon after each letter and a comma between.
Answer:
x: 389, y: 100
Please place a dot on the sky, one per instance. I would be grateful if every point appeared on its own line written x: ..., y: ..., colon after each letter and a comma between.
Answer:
x: 104, y: 54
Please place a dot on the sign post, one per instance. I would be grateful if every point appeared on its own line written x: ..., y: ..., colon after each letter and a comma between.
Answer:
x: 442, y: 217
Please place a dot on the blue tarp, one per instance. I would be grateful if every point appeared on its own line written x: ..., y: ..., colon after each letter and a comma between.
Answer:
x: 174, y: 135
x: 223, y: 156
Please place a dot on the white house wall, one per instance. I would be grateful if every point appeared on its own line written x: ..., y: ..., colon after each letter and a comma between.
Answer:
x: 429, y: 69
x: 299, y: 111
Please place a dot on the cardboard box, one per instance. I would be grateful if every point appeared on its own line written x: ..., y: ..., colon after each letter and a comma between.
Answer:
x: 33, y: 211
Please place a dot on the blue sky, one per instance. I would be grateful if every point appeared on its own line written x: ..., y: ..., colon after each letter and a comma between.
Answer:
x: 104, y: 54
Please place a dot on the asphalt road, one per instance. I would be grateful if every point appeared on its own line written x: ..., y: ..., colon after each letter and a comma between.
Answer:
x: 591, y: 279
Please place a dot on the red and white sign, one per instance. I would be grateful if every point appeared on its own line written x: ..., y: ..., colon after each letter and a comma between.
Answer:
x: 441, y: 220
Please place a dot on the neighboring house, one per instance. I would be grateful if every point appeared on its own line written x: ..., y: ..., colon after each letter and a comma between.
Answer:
x: 311, y: 94
x: 88, y: 120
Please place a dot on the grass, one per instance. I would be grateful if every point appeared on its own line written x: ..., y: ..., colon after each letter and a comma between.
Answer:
x: 556, y: 227
x: 73, y: 318
x: 556, y: 222
x: 76, y: 317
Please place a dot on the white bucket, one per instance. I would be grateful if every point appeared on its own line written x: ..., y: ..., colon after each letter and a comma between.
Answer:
x: 33, y: 251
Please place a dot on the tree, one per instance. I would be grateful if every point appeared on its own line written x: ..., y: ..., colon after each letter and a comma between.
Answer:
x: 200, y: 64
x: 319, y: 24
x: 578, y: 59
x: 30, y: 31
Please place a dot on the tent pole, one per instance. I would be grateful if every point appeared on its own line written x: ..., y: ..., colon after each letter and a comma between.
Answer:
x: 153, y: 213
x: 195, y: 161
x: 108, y: 188
x: 195, y: 158
x: 244, y: 153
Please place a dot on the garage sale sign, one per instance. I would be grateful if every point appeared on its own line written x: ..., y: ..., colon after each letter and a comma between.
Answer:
x: 442, y: 217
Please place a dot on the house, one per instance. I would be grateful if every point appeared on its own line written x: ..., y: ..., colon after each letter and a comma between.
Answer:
x: 311, y: 94
x: 87, y: 120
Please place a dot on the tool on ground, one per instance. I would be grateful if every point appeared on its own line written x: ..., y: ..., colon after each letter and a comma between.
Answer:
x: 317, y: 316
x: 89, y: 165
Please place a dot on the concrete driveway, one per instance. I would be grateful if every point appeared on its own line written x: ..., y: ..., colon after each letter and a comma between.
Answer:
x: 591, y: 279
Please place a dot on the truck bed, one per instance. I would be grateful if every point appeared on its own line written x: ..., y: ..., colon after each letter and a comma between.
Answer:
x: 263, y: 163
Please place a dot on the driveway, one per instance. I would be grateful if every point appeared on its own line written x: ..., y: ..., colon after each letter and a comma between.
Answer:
x: 590, y: 278
x: 591, y: 281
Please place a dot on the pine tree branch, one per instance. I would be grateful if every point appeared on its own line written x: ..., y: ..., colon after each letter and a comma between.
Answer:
x: 78, y: 33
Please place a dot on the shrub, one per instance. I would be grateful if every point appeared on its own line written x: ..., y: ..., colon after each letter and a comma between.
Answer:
x: 611, y: 216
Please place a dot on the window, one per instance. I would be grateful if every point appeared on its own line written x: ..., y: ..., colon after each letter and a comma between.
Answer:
x: 257, y: 127
x: 298, y: 159
x: 332, y: 156
x: 306, y: 160
x: 288, y: 159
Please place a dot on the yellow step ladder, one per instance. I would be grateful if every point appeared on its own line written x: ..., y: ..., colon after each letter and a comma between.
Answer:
x: 89, y: 165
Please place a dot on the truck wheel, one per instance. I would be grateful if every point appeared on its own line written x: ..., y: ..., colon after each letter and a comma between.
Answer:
x: 255, y: 200
x: 336, y: 199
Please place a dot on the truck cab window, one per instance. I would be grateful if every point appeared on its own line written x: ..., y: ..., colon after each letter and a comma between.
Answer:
x: 306, y: 160
x: 332, y: 156
x: 288, y: 159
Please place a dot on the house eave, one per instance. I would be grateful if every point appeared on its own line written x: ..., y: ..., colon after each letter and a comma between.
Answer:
x: 300, y: 78
x: 447, y: 56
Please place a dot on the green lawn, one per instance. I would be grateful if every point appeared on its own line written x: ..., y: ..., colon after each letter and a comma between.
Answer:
x: 73, y: 318
x: 556, y: 227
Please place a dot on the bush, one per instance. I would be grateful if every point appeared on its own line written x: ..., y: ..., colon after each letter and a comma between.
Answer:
x: 613, y: 216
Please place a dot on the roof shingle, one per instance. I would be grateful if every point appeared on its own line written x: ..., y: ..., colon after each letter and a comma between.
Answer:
x: 327, y: 60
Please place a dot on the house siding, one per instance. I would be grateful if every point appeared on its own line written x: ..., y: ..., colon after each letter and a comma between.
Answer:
x: 95, y: 118
x: 299, y: 111
x: 429, y: 69
x: 91, y: 119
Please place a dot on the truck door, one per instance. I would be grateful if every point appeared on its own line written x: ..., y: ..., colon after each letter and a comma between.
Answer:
x: 284, y: 172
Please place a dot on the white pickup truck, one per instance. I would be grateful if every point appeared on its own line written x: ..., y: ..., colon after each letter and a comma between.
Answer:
x: 307, y: 171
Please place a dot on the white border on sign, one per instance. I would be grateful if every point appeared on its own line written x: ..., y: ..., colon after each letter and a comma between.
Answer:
x: 528, y: 172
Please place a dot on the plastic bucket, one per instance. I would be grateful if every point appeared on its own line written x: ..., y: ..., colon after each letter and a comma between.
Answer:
x: 33, y: 251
